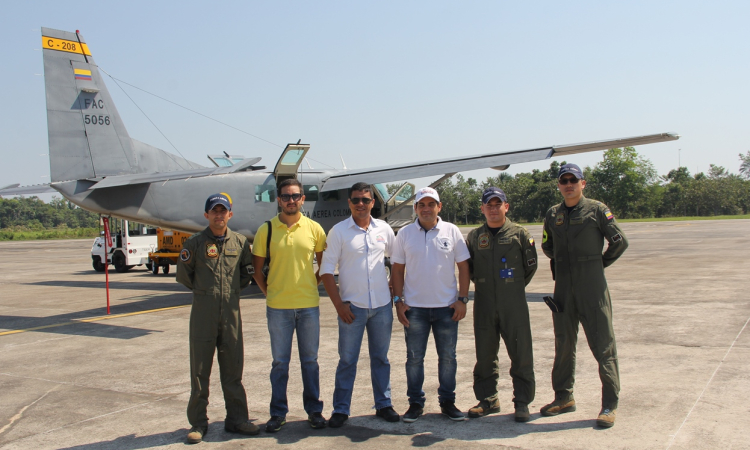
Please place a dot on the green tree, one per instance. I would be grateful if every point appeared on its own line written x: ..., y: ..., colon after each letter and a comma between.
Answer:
x: 745, y: 165
x: 622, y: 180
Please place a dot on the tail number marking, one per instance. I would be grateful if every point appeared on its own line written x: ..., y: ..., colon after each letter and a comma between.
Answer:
x: 96, y: 120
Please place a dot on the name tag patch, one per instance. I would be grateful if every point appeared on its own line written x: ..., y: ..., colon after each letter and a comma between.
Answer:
x: 232, y: 251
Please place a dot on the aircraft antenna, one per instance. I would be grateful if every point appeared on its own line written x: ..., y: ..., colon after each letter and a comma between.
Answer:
x: 80, y: 45
x: 193, y: 111
x: 149, y: 119
x: 342, y: 161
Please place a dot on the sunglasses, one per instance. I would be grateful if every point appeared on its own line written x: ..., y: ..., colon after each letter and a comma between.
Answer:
x: 571, y: 180
x: 292, y: 197
x: 356, y: 200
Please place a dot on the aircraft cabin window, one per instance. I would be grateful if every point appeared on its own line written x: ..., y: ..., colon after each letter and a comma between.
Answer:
x: 383, y: 191
x: 292, y: 157
x: 311, y: 192
x: 265, y: 193
x: 330, y: 196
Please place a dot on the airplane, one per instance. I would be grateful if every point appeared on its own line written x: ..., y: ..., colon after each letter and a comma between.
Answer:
x: 96, y: 165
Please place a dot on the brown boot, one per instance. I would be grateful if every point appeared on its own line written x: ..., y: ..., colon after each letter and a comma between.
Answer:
x: 195, y: 435
x: 558, y: 407
x: 522, y: 413
x: 247, y: 428
x: 606, y: 418
x: 484, y: 408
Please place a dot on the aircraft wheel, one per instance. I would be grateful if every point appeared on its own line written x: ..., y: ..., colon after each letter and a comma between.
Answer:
x: 118, y: 260
x: 97, y: 263
x: 166, y: 269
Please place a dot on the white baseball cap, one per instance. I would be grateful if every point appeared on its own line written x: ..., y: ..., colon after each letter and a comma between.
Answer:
x: 427, y: 192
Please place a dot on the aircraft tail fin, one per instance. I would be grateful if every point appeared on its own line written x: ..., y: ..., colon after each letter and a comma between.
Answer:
x: 87, y: 138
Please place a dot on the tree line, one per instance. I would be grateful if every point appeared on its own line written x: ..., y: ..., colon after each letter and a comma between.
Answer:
x: 623, y: 180
x: 31, y: 213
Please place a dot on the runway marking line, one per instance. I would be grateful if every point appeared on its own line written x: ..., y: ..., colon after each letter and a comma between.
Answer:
x: 96, y: 319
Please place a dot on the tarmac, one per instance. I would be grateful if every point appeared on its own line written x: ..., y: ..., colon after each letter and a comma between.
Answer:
x: 73, y: 377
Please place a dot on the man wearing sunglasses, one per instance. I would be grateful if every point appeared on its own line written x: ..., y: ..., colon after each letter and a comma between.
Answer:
x: 292, y: 301
x: 503, y: 261
x: 425, y: 256
x: 574, y: 235
x: 359, y: 246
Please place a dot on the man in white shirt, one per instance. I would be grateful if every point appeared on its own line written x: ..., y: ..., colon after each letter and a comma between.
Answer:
x: 359, y: 245
x: 424, y: 285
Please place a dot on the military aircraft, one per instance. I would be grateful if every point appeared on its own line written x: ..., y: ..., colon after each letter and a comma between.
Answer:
x: 95, y: 164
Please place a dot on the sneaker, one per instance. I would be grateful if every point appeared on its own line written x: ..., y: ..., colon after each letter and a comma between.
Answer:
x: 275, y: 423
x: 388, y: 414
x: 415, y: 410
x: 558, y: 407
x: 316, y: 420
x: 606, y: 418
x: 195, y: 435
x: 522, y: 413
x: 484, y: 408
x: 337, y: 420
x: 247, y: 428
x: 449, y: 409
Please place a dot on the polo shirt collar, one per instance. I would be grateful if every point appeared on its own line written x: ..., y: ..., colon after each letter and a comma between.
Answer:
x: 277, y: 223
x: 436, y: 227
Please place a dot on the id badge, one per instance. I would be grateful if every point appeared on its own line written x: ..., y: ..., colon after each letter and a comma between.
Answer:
x: 506, y: 273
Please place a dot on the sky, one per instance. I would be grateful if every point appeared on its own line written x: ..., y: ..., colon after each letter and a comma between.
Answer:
x: 388, y: 82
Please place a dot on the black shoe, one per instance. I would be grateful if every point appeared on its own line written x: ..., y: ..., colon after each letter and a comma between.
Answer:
x: 388, y: 414
x: 522, y: 413
x: 337, y: 420
x: 247, y: 428
x: 415, y: 410
x: 449, y: 409
x: 275, y: 423
x: 316, y: 420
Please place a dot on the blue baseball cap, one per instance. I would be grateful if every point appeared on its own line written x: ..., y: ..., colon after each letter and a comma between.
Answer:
x: 493, y: 192
x: 571, y: 169
x: 218, y: 199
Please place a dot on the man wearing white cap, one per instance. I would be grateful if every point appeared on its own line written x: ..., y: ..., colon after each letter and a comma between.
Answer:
x: 427, y: 297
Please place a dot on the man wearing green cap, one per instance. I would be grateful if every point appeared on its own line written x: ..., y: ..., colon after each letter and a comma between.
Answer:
x: 216, y: 264
x: 574, y: 235
x: 503, y: 261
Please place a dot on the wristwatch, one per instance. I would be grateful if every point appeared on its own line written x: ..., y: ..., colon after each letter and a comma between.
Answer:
x: 463, y: 299
x: 397, y: 300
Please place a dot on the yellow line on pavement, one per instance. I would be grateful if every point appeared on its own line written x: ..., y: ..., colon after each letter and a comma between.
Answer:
x: 96, y: 319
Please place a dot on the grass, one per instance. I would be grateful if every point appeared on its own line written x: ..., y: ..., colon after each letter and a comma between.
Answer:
x: 26, y: 234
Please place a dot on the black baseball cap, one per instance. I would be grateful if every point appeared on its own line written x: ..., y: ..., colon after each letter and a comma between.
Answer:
x: 493, y: 192
x: 571, y: 169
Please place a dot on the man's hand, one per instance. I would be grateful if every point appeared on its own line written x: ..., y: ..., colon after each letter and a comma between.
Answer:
x: 459, y: 310
x: 401, y: 309
x: 345, y: 312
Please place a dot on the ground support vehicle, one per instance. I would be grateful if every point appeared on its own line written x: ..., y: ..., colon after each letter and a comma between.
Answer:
x: 168, y: 250
x: 130, y: 246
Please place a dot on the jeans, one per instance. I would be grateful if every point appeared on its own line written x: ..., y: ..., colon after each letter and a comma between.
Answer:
x: 378, y: 322
x: 281, y: 326
x: 445, y: 333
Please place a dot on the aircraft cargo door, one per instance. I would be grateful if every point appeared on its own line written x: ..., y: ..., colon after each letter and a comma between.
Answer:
x: 289, y: 162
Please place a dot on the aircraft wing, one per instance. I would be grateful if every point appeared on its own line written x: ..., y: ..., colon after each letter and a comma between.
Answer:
x: 421, y: 169
x: 138, y: 178
x: 16, y: 189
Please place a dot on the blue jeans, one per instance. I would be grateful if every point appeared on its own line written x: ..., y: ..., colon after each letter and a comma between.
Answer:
x: 445, y: 333
x: 281, y: 326
x: 378, y: 322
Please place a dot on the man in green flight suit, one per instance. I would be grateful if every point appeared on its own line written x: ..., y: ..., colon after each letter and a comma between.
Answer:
x: 574, y: 235
x: 503, y: 261
x: 216, y: 264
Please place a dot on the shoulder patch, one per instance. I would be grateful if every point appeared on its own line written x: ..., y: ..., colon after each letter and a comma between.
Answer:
x: 609, y: 214
x: 185, y: 255
x: 531, y: 241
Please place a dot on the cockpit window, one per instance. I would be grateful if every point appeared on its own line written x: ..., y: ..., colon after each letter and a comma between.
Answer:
x: 265, y: 193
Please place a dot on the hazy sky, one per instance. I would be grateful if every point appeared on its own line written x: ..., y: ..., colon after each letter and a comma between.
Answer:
x: 386, y: 82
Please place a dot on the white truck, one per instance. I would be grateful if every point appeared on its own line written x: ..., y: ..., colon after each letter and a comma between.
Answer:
x: 131, y: 244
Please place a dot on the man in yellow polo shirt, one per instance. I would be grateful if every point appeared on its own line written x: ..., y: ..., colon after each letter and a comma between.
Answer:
x: 292, y: 301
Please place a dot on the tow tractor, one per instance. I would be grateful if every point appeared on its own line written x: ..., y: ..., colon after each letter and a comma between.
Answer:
x: 131, y: 244
x: 169, y: 246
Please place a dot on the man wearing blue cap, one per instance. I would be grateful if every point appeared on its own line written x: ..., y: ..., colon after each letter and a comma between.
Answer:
x: 216, y: 264
x: 503, y: 261
x: 574, y: 235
